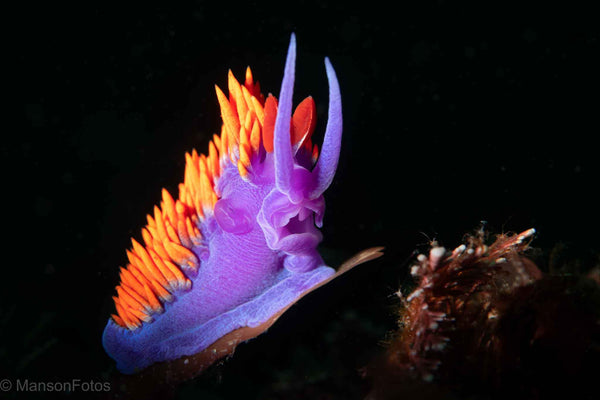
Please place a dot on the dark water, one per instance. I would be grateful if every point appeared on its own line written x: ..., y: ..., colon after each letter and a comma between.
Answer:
x: 453, y: 115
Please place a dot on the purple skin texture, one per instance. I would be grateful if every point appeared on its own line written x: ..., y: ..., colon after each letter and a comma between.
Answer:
x: 259, y: 251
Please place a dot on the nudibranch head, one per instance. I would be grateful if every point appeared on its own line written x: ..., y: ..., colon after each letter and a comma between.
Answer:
x: 239, y: 244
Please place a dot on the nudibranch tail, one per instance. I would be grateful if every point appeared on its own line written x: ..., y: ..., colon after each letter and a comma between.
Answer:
x: 239, y: 244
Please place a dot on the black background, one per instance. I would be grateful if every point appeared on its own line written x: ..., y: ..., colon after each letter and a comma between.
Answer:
x: 453, y: 114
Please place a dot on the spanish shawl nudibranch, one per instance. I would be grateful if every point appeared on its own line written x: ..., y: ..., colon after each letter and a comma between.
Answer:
x: 238, y: 246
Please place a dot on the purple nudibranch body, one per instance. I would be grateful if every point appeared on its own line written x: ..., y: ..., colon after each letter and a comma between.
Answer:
x: 244, y: 251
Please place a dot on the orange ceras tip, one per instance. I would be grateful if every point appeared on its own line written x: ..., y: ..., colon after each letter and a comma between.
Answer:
x: 229, y: 115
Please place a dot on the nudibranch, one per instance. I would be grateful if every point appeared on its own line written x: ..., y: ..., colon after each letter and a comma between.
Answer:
x: 239, y: 245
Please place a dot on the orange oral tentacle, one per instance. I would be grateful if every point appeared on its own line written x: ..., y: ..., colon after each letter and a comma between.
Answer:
x: 269, y: 123
x: 304, y: 120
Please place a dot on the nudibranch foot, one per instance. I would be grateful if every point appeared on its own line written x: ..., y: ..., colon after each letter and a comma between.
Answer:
x: 239, y: 244
x: 163, y: 374
x: 174, y: 334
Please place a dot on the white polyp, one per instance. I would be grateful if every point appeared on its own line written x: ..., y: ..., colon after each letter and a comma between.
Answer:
x: 528, y: 232
x: 481, y: 250
x: 459, y: 249
x: 435, y: 255
x: 525, y: 235
x: 439, y: 316
x: 414, y: 294
x: 437, y: 252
